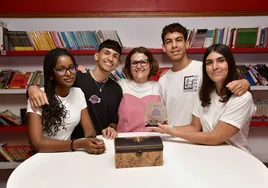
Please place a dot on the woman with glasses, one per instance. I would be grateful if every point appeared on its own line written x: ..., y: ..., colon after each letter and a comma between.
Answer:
x: 50, y: 127
x: 219, y: 116
x: 138, y: 90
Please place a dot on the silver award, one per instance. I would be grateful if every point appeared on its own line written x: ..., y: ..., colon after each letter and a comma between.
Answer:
x: 155, y: 112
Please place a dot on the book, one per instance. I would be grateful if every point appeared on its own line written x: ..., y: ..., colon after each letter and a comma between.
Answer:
x: 7, y: 114
x: 17, y: 80
x: 5, y: 155
x: 15, y: 152
x: 209, y: 38
x: 3, y: 25
x: 246, y: 37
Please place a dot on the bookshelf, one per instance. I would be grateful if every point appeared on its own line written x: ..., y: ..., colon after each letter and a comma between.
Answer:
x: 259, y: 88
x: 13, y: 128
x: 258, y: 123
x: 9, y: 165
x: 12, y: 91
x: 125, y: 51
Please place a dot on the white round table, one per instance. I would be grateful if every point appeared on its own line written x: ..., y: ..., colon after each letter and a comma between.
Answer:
x: 185, y: 166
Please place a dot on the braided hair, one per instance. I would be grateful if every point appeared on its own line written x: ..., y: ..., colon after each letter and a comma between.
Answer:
x: 54, y: 113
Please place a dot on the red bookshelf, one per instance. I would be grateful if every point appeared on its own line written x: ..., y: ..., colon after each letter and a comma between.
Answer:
x: 18, y: 128
x: 258, y: 123
x: 125, y: 51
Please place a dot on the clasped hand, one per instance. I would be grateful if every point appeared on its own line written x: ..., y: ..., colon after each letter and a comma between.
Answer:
x: 95, y: 146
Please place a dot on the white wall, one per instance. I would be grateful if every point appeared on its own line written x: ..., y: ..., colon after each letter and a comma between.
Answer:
x: 133, y: 32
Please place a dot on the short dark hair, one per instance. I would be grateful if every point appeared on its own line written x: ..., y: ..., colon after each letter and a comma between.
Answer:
x: 174, y: 27
x: 152, y: 61
x: 208, y: 85
x: 111, y: 44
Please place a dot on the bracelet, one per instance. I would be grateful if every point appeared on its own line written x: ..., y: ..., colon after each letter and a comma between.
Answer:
x: 72, y: 145
x: 30, y: 85
x: 91, y: 136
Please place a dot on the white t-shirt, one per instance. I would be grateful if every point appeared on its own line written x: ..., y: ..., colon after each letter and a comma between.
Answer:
x: 139, y: 90
x: 74, y: 103
x: 179, y: 91
x: 237, y: 111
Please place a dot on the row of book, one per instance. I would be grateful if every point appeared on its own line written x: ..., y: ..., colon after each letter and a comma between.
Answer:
x: 14, y: 79
x: 117, y: 75
x: 262, y: 110
x: 232, y: 37
x: 14, y: 152
x: 255, y: 74
x: 47, y: 40
x: 8, y: 118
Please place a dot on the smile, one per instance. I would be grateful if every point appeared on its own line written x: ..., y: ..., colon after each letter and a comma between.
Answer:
x: 69, y: 79
x: 108, y: 63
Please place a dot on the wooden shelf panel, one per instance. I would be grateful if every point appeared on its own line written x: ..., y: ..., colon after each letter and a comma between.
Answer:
x: 258, y: 88
x: 12, y: 128
x: 125, y: 51
x: 9, y: 165
x: 12, y: 91
x: 258, y: 123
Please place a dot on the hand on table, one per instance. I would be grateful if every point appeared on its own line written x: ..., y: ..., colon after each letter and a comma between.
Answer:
x: 164, y: 129
x: 95, y: 146
x: 109, y: 133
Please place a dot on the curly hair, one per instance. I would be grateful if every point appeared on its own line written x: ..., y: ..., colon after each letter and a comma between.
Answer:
x: 53, y: 114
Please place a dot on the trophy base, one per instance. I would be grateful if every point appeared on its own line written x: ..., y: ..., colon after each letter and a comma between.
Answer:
x: 148, y: 125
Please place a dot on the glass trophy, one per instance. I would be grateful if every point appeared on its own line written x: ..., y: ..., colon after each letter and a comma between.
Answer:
x: 155, y: 112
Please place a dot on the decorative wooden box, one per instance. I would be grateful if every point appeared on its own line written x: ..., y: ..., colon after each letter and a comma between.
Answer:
x: 138, y: 152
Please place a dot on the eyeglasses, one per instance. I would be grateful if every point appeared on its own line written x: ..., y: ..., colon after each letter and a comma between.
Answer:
x: 142, y: 63
x: 61, y: 71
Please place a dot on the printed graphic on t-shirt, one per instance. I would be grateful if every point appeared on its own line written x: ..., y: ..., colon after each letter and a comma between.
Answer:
x: 190, y: 83
x: 94, y: 99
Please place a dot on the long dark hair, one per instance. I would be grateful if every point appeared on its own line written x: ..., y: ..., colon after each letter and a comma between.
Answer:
x: 152, y: 62
x: 54, y: 113
x: 208, y: 85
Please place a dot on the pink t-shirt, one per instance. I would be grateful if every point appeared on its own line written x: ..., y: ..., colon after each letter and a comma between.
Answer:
x: 135, y: 98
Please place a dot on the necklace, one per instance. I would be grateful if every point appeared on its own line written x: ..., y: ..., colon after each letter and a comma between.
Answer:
x: 100, y: 88
x: 104, y: 81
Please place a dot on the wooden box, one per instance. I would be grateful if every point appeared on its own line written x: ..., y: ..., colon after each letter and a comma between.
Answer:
x: 138, y: 152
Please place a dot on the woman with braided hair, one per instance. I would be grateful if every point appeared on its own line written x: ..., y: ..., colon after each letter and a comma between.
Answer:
x: 50, y: 127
